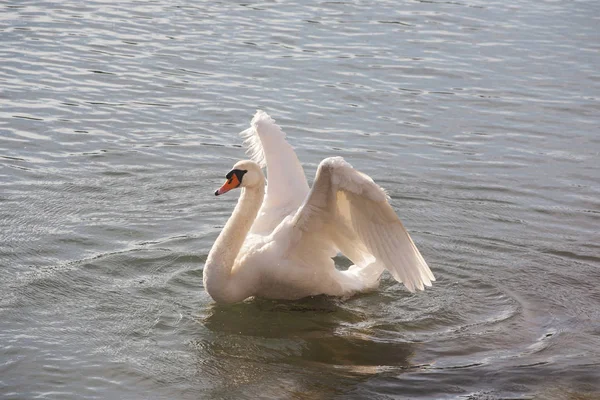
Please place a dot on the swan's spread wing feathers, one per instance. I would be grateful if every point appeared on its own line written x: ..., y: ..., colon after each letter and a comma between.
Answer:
x: 354, y: 213
x: 287, y: 186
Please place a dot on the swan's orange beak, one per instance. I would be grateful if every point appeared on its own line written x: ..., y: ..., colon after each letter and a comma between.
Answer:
x: 231, y: 183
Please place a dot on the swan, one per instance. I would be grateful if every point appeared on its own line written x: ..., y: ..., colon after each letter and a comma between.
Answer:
x: 279, y: 241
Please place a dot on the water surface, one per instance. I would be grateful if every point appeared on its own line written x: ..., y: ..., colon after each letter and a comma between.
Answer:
x: 119, y: 119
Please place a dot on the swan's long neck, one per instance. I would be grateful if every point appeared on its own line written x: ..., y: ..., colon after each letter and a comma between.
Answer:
x: 221, y: 258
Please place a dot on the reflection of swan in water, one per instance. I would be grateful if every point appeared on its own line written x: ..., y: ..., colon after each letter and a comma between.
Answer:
x: 307, y: 349
x: 280, y: 244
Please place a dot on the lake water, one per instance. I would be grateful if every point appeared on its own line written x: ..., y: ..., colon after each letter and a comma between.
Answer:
x: 118, y: 120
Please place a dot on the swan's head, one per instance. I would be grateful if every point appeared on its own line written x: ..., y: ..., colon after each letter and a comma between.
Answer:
x: 243, y: 174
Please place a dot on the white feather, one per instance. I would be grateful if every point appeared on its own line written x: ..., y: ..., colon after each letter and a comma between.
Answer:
x: 354, y: 214
x: 287, y: 186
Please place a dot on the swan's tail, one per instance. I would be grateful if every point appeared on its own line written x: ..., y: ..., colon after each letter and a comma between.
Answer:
x: 361, y: 278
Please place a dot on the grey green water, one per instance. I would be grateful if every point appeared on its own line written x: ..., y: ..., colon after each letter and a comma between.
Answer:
x: 119, y: 119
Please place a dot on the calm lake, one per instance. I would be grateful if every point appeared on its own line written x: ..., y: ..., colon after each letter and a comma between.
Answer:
x: 118, y: 120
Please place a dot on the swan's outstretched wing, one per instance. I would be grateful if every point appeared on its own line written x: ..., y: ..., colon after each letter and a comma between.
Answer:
x: 287, y: 186
x: 347, y: 208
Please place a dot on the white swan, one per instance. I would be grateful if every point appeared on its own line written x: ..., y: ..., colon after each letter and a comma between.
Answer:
x: 280, y: 245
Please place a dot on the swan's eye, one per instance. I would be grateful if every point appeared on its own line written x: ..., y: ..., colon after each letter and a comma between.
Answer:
x: 235, y: 173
